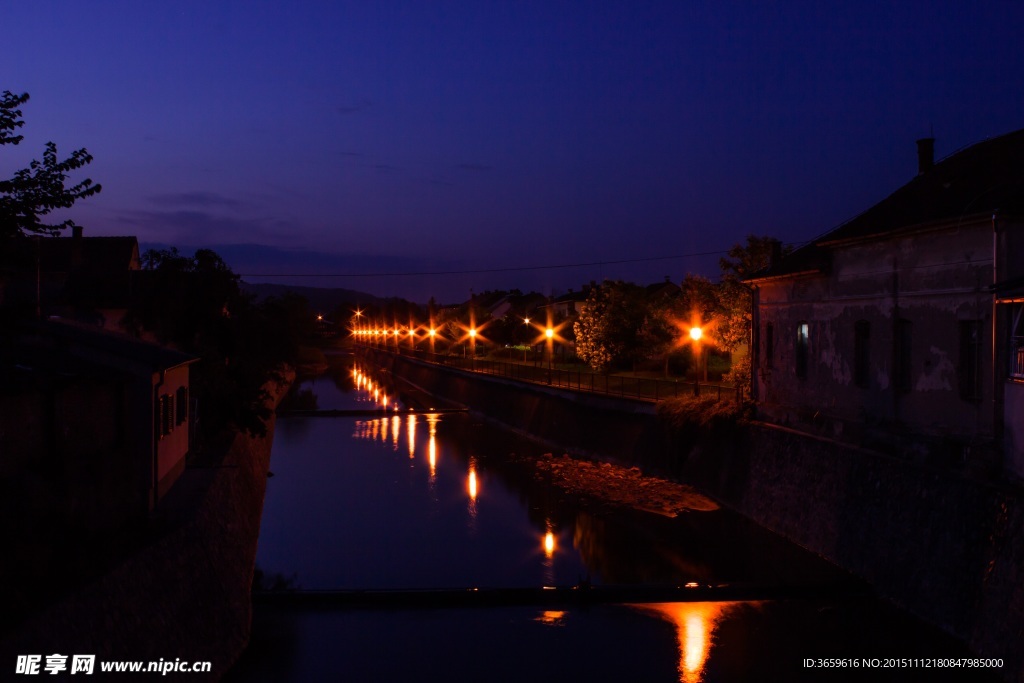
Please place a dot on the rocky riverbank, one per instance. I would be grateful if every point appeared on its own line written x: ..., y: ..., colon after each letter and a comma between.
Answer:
x: 625, y: 486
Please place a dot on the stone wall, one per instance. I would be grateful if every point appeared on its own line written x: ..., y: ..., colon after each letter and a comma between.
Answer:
x: 935, y: 542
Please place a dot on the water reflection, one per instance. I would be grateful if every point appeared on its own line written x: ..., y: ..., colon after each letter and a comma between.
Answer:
x: 472, y: 490
x: 695, y: 624
x: 552, y: 617
x: 411, y: 429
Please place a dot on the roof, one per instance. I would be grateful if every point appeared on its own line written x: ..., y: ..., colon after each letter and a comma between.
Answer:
x: 979, y: 180
x: 111, y: 346
x: 94, y: 254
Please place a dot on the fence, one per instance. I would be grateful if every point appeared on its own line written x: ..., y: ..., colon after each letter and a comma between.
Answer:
x: 640, y: 388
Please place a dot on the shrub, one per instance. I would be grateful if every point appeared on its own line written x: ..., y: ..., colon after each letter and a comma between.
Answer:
x: 702, y: 411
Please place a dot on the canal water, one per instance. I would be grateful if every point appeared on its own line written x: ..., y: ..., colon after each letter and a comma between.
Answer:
x: 391, y: 496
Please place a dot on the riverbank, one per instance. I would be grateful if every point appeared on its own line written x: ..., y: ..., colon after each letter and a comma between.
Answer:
x: 623, y: 486
x: 185, y: 594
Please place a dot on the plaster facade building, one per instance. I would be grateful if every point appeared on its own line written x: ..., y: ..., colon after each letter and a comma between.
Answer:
x: 901, y: 328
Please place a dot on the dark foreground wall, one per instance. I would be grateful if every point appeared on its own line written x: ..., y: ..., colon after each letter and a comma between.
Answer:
x: 186, y: 595
x: 936, y: 542
x: 945, y: 547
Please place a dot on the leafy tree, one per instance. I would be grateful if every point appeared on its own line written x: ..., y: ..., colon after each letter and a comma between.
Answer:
x: 194, y: 303
x: 734, y: 297
x: 660, y: 331
x: 33, y: 192
x: 734, y: 300
x: 608, y: 329
x: 742, y: 261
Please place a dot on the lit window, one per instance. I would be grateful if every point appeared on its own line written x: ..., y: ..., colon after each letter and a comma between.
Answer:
x: 803, y: 344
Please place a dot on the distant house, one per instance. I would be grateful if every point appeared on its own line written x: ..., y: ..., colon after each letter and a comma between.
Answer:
x: 906, y: 320
x: 662, y: 290
x: 86, y: 277
x: 567, y: 305
x: 148, y: 409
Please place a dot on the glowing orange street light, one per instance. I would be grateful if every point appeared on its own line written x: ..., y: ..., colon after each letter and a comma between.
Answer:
x: 550, y: 334
x: 697, y: 336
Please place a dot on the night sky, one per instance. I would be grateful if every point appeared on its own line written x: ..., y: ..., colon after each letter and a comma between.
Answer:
x: 396, y: 139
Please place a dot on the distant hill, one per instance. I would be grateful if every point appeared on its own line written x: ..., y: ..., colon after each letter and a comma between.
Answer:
x: 319, y: 298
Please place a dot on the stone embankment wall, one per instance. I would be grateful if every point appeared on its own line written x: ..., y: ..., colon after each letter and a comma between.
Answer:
x: 583, y: 424
x: 938, y: 543
x: 944, y: 546
x: 185, y: 595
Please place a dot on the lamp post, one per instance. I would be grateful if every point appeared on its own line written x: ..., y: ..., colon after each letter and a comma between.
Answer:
x: 697, y: 334
x: 526, y: 321
x: 472, y: 347
x: 356, y: 315
x: 550, y: 334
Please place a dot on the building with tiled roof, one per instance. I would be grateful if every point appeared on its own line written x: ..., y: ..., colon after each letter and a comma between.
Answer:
x: 902, y: 327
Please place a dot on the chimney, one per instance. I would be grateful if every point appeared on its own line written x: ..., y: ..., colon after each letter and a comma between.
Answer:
x: 925, y: 155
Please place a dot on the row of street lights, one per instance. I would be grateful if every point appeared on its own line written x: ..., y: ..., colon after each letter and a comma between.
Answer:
x: 386, y: 334
x: 696, y: 332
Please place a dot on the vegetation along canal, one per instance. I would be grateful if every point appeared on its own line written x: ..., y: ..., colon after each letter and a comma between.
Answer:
x: 417, y: 507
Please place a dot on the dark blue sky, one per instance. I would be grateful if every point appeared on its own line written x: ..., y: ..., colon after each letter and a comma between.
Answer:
x: 358, y: 137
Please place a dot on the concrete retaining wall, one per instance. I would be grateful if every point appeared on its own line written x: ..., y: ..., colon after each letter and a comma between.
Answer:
x: 942, y: 546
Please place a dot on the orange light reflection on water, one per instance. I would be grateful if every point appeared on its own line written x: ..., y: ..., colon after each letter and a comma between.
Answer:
x: 695, y: 624
x: 411, y: 428
x: 432, y: 445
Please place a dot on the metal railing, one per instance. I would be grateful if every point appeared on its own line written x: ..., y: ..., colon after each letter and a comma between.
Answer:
x: 578, y: 379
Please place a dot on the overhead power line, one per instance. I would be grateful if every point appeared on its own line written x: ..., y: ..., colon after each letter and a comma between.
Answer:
x: 476, y: 271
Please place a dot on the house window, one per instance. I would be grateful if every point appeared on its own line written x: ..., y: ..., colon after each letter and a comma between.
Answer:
x: 769, y: 345
x: 861, y: 353
x: 970, y: 360
x: 1016, y: 346
x: 901, y: 355
x: 181, y: 405
x: 803, y: 343
x: 163, y: 415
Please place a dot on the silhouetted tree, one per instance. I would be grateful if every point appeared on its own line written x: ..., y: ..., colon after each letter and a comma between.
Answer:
x: 194, y: 303
x: 34, y: 192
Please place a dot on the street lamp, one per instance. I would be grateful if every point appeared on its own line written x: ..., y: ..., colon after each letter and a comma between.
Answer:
x: 550, y: 334
x: 696, y: 335
x: 526, y: 321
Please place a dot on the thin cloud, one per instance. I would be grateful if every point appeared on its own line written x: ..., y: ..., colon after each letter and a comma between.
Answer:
x: 193, y: 199
x: 202, y: 227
